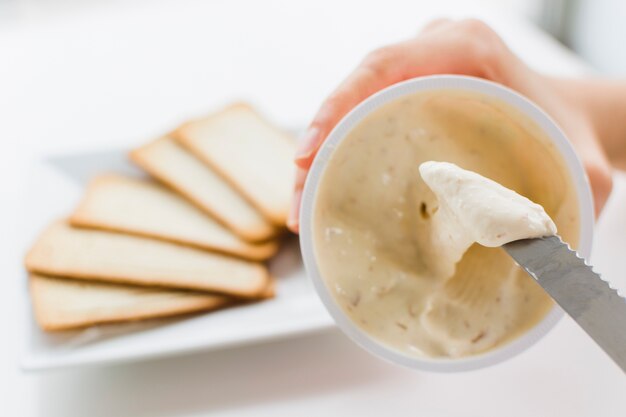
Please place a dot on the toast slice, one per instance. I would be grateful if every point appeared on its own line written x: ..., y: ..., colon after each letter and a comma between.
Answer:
x: 171, y: 164
x: 62, y: 304
x: 143, y: 207
x: 100, y: 255
x: 250, y: 153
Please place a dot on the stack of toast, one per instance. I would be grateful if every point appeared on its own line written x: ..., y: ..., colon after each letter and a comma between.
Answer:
x: 195, y: 237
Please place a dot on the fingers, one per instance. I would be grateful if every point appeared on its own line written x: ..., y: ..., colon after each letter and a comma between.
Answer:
x: 380, y: 69
x: 601, y: 181
x: 375, y: 73
x: 588, y: 146
x: 308, y: 145
x: 467, y: 47
x: 293, y: 222
x: 444, y: 47
x: 595, y: 162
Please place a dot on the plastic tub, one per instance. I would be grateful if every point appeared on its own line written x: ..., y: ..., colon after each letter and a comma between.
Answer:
x: 447, y: 82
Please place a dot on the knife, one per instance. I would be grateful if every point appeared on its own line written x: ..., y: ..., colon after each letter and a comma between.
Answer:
x: 582, y: 293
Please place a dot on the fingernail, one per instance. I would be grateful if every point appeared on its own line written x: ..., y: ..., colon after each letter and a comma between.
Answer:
x: 307, y: 143
x: 293, y: 222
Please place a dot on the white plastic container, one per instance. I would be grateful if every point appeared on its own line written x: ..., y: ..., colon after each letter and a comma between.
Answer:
x: 393, y: 93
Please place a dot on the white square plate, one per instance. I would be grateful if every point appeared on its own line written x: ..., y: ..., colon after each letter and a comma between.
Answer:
x: 57, y: 183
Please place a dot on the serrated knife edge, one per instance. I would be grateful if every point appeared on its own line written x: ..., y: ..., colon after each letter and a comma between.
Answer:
x: 588, y: 298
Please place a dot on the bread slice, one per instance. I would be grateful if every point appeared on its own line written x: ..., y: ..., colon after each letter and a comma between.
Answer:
x: 171, y: 164
x: 254, y: 156
x: 136, y: 206
x: 62, y: 304
x: 71, y: 252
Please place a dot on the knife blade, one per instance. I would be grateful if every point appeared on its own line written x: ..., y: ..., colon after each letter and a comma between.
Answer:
x: 597, y: 307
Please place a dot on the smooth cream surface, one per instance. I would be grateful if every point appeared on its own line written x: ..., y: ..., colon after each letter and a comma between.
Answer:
x: 380, y: 230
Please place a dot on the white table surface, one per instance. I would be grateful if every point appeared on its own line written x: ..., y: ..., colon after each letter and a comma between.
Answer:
x: 101, y: 74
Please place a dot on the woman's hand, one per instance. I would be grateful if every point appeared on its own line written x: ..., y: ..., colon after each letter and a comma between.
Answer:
x: 467, y: 47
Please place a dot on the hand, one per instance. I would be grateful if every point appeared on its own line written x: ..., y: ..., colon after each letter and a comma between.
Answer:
x: 467, y: 47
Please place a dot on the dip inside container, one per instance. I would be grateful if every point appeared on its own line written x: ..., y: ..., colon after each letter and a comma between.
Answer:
x: 371, y: 224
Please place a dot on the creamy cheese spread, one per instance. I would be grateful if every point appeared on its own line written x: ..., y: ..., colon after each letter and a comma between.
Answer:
x: 475, y: 209
x: 394, y: 233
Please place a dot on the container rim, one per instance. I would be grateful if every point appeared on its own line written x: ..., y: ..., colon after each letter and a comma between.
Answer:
x: 390, y: 94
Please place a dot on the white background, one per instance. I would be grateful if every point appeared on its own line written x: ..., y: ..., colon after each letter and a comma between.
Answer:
x: 595, y: 28
x: 119, y: 73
